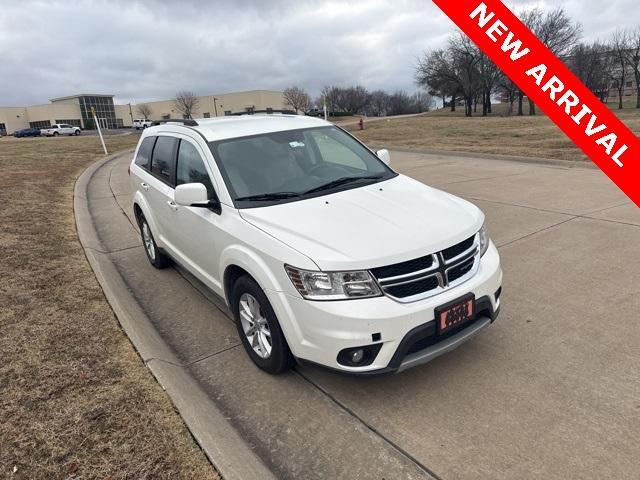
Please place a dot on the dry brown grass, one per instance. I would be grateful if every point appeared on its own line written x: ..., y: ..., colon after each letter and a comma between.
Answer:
x: 75, y: 399
x: 442, y: 130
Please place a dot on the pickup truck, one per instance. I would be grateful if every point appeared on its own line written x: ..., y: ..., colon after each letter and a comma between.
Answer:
x: 143, y: 123
x: 60, y: 129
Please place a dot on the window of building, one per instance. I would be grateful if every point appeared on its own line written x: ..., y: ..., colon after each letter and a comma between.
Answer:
x: 143, y: 158
x: 3, y: 129
x: 74, y: 122
x: 227, y: 113
x: 105, y: 111
x: 190, y: 168
x: 119, y: 123
x: 163, y: 159
x: 629, y: 84
x: 40, y: 124
x: 165, y: 116
x: 207, y: 115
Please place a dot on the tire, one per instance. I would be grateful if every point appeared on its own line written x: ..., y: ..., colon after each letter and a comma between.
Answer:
x: 155, y: 256
x: 55, y: 134
x: 250, y: 305
x: 137, y: 128
x: 76, y: 133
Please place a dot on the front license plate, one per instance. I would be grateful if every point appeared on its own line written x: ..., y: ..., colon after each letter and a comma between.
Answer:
x: 455, y: 313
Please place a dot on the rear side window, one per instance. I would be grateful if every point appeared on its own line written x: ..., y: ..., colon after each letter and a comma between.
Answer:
x: 191, y: 167
x: 163, y: 159
x: 143, y: 159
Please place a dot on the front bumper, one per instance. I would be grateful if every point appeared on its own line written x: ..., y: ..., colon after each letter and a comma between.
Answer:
x: 318, y: 331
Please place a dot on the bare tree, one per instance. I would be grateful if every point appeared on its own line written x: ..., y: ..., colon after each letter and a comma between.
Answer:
x: 489, y: 76
x: 352, y: 99
x: 186, y: 103
x: 421, y: 101
x: 592, y: 64
x: 399, y: 103
x: 633, y: 59
x: 509, y: 89
x: 297, y: 99
x: 620, y: 46
x: 465, y: 59
x: 144, y: 110
x: 378, y: 103
x: 556, y: 30
x: 330, y: 95
x: 434, y: 72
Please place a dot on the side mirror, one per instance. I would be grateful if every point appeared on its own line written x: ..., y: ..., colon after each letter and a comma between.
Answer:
x: 195, y: 195
x: 384, y: 156
x: 189, y: 194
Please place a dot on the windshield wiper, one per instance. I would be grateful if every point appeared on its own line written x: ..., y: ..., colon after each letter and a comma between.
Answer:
x: 269, y: 196
x: 341, y: 181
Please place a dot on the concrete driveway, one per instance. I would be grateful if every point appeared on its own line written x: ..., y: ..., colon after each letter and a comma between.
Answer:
x: 551, y: 390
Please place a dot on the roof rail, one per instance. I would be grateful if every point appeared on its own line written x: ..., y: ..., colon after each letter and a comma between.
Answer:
x: 268, y: 112
x: 185, y: 121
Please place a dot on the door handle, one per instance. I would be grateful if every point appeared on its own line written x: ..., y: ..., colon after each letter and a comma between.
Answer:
x: 172, y: 205
x: 144, y: 186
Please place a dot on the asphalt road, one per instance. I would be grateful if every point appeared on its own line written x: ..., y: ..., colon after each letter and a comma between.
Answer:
x: 551, y: 390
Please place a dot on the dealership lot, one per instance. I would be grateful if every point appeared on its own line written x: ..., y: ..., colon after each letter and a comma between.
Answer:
x: 550, y: 390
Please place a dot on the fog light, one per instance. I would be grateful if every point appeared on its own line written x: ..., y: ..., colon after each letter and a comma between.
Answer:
x: 357, y: 356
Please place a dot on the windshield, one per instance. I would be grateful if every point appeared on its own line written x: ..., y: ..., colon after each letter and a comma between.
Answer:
x: 292, y: 165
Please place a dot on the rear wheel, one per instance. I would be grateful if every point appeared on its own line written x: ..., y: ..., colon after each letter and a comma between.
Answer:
x: 155, y: 256
x: 76, y: 133
x: 259, y: 328
x: 55, y: 134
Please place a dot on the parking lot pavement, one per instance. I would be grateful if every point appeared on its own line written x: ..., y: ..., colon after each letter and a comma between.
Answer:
x: 551, y: 390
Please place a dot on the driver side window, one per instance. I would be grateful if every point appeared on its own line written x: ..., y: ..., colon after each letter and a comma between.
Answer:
x: 333, y: 151
x: 191, y: 168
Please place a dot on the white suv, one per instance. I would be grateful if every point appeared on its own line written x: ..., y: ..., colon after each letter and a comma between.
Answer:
x: 143, y: 123
x: 323, y: 253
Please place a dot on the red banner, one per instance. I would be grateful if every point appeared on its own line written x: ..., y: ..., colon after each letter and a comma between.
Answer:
x: 553, y: 87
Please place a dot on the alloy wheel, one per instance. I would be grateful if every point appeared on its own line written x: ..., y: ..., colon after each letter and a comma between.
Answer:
x: 148, y: 241
x: 255, y: 325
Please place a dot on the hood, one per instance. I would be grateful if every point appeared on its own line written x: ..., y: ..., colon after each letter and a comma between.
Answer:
x: 371, y: 226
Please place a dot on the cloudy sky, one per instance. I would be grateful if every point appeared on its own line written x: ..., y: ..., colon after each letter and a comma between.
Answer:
x: 148, y: 50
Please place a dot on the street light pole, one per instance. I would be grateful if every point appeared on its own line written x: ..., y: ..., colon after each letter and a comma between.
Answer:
x: 215, y: 107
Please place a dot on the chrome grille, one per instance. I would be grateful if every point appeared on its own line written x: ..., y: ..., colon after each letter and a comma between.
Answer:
x: 430, y: 275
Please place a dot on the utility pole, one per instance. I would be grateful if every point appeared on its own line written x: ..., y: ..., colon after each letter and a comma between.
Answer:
x: 130, y: 113
x: 215, y: 107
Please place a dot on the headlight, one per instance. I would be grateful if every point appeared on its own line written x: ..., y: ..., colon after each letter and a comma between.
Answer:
x: 314, y: 285
x: 484, y: 240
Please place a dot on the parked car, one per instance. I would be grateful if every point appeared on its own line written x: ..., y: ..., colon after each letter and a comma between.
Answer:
x: 143, y: 123
x: 60, y: 129
x: 315, y: 112
x: 27, y: 132
x: 322, y: 251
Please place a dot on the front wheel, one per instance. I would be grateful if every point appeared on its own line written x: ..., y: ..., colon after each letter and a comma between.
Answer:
x: 76, y: 133
x: 155, y: 256
x: 259, y: 328
x: 55, y: 134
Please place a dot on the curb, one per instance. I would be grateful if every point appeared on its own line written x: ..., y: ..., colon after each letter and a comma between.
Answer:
x: 226, y: 449
x: 508, y: 158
